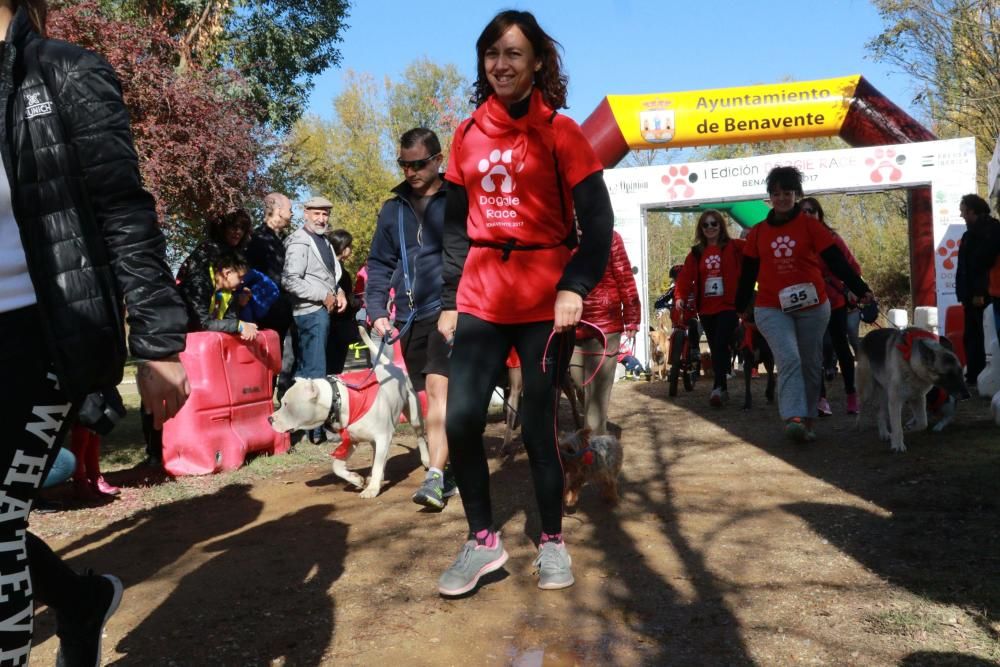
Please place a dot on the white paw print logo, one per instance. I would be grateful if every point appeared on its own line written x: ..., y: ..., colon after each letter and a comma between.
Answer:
x: 713, y: 262
x: 498, y: 164
x: 783, y: 246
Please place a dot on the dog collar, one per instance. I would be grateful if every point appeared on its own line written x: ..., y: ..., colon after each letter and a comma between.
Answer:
x: 333, y: 417
x: 586, y: 455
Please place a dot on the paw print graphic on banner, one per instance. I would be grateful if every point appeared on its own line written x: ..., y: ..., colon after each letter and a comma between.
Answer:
x: 950, y: 253
x: 884, y: 165
x: 678, y: 181
x: 498, y: 164
x: 782, y: 246
x: 713, y: 262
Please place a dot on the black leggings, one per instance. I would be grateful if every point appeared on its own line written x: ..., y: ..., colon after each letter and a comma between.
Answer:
x: 719, y: 330
x: 842, y: 346
x: 37, y: 415
x: 477, y: 359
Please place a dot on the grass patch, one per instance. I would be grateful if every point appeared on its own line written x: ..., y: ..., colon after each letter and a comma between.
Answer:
x: 899, y: 622
x: 124, y: 450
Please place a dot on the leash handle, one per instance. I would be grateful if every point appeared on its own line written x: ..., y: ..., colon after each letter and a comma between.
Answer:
x: 604, y: 345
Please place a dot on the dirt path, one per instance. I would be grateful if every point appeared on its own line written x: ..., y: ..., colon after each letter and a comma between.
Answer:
x: 730, y: 547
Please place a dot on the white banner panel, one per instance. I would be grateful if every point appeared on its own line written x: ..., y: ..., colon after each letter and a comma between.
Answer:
x: 948, y: 167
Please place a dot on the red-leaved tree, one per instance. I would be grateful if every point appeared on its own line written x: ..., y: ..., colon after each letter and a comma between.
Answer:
x: 200, y: 146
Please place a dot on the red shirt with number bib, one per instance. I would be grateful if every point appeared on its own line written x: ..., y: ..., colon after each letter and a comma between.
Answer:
x: 713, y: 275
x: 513, y: 170
x: 791, y: 270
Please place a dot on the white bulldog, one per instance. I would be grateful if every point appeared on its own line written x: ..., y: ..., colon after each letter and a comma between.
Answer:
x: 364, y: 406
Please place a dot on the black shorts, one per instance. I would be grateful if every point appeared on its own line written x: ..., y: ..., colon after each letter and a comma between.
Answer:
x: 424, y: 351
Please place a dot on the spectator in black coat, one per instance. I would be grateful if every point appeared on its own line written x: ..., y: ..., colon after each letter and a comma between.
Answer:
x: 266, y: 254
x: 976, y: 253
x: 343, y: 329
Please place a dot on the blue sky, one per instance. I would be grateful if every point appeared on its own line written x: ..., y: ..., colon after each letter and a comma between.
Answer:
x: 630, y: 46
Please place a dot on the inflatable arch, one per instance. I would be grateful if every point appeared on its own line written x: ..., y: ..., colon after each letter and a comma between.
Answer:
x: 848, y: 107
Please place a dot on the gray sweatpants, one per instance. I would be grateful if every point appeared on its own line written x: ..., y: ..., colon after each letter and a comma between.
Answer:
x: 796, y: 339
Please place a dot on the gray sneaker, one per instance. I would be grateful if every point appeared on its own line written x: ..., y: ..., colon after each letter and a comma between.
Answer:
x: 553, y: 566
x: 450, y: 483
x: 473, y: 561
x: 431, y: 492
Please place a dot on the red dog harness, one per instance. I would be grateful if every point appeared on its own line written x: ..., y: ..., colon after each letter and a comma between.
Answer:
x: 361, y: 398
x: 906, y: 347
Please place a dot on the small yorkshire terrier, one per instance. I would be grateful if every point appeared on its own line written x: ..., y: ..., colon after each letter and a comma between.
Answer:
x: 590, y: 458
x: 706, y: 364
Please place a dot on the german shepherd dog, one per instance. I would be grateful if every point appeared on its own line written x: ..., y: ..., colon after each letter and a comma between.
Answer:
x: 897, y: 368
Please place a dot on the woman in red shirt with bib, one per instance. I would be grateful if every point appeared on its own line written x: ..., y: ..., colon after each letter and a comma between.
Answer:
x: 784, y: 254
x: 712, y: 269
x: 520, y: 171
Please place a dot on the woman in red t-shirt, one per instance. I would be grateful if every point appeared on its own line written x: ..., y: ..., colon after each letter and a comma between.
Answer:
x: 712, y: 271
x: 519, y: 171
x: 784, y: 254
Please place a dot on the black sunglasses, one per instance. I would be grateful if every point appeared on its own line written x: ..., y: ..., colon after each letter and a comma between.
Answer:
x: 415, y: 165
x: 809, y: 210
x: 710, y: 223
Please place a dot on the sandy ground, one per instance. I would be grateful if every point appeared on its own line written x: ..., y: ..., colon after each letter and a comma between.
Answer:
x: 731, y: 546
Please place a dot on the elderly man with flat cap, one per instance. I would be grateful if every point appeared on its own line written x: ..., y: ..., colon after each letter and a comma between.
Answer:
x: 310, y: 277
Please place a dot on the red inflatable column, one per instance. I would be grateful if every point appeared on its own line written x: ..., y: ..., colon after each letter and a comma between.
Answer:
x: 923, y: 288
x: 602, y: 131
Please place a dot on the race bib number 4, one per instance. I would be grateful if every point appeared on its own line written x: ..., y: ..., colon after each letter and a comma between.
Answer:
x: 713, y: 286
x: 797, y: 297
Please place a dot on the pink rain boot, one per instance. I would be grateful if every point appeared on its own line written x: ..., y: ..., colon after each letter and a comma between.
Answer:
x: 104, y: 488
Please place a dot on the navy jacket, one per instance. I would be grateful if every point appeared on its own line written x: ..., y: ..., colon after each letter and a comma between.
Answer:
x: 423, y: 248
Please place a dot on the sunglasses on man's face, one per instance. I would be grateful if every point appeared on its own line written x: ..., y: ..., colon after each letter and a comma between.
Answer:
x: 416, y: 165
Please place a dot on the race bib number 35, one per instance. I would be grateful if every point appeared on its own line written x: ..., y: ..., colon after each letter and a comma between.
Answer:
x: 797, y: 297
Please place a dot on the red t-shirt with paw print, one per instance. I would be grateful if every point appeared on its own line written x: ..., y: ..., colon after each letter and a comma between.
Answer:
x: 519, y: 175
x: 789, y: 255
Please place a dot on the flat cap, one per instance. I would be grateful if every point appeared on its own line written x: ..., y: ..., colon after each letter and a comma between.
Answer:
x: 318, y: 202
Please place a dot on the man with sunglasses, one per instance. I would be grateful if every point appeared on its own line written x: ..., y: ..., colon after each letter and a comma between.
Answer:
x: 410, y: 227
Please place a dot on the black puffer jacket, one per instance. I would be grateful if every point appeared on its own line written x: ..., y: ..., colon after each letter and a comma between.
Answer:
x: 87, y: 225
x: 976, y: 253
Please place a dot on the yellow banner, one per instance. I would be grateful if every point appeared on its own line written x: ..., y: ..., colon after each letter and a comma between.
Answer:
x: 790, y: 110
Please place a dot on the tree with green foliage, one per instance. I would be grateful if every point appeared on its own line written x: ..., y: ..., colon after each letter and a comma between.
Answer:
x: 951, y: 49
x: 351, y: 158
x: 429, y: 95
x: 345, y: 159
x: 277, y: 46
